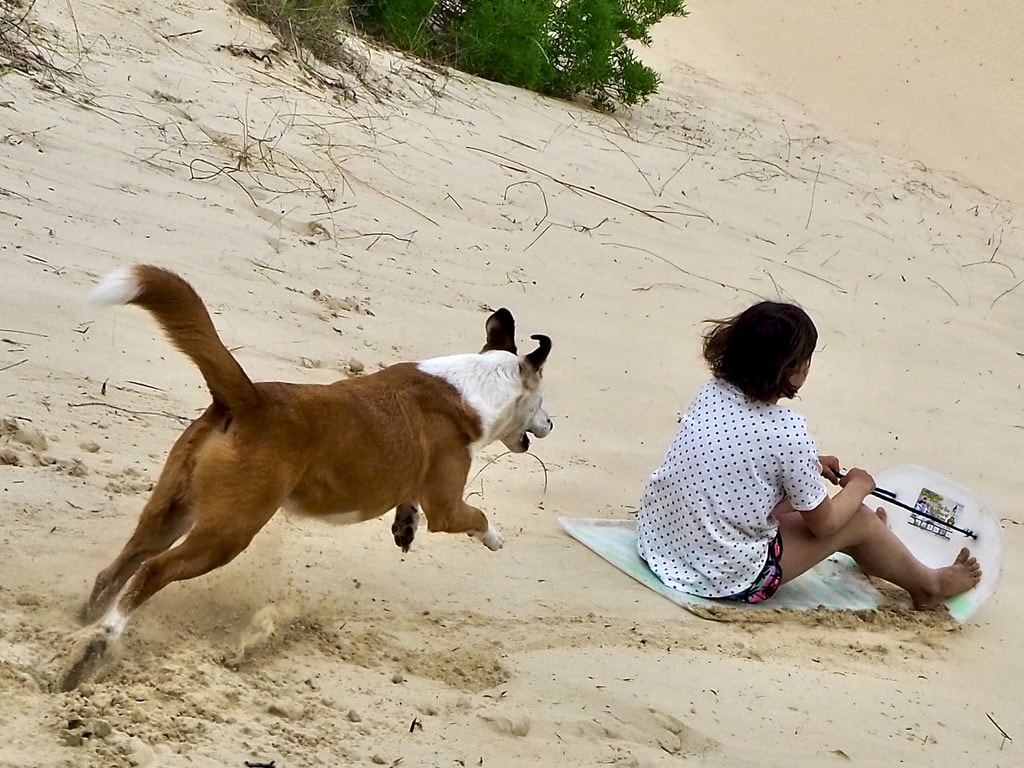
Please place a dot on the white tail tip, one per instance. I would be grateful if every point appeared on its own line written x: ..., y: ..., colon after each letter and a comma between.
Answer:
x: 119, y: 287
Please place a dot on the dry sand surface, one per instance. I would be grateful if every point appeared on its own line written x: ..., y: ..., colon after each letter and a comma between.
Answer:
x: 329, y: 234
x: 937, y: 82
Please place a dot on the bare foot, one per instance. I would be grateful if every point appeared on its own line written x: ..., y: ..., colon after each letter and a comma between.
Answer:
x: 962, y: 575
x: 882, y: 515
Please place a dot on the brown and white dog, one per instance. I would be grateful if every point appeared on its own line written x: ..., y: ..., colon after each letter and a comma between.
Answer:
x: 401, y: 438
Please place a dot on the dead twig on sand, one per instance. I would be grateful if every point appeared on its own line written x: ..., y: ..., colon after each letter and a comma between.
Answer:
x: 837, y: 286
x: 350, y: 175
x: 676, y: 267
x: 14, y: 365
x: 992, y: 259
x: 539, y: 236
x: 377, y: 236
x: 753, y: 159
x: 257, y: 54
x: 218, y: 170
x: 941, y: 288
x: 1006, y: 736
x: 814, y: 189
x: 175, y: 35
x: 543, y: 196
x: 633, y: 162
x: 1004, y: 293
x: 509, y: 162
x: 508, y: 453
x: 129, y: 411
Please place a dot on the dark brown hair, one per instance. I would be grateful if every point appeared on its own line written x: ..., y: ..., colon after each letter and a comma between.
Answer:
x: 759, y: 349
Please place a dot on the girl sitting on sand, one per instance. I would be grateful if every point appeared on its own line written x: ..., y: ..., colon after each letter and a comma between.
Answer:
x: 738, y: 507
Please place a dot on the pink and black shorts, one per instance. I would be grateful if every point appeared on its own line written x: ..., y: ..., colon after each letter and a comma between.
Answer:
x: 767, y: 582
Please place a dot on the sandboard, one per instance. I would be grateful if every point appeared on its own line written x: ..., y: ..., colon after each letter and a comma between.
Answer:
x: 837, y: 583
x: 937, y: 545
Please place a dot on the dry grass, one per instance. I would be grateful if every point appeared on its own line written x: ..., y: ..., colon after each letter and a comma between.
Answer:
x: 21, y: 43
x: 312, y: 25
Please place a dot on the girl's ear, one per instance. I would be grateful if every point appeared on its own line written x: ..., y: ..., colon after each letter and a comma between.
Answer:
x: 798, y: 376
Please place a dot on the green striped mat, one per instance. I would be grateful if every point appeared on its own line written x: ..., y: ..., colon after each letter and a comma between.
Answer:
x: 836, y: 583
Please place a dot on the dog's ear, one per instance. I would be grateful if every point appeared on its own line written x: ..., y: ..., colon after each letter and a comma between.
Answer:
x: 540, y: 354
x: 501, y: 332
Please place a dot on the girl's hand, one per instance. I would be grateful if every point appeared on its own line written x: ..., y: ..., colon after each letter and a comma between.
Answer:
x: 830, y: 468
x: 860, y: 480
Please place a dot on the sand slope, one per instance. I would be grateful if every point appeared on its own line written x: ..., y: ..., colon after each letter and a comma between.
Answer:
x: 323, y: 231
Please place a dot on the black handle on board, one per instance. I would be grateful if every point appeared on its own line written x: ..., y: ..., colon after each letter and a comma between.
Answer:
x: 890, y: 497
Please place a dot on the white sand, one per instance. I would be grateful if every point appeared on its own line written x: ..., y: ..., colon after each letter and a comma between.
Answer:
x: 941, y: 83
x: 321, y: 230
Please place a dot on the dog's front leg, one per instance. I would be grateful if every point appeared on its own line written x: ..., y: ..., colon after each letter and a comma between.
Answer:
x: 453, y: 515
x: 491, y: 538
x: 460, y: 517
x: 441, y: 499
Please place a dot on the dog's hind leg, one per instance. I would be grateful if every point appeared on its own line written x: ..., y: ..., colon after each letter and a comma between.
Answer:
x: 163, y: 521
x: 205, y: 548
x: 407, y: 520
x: 216, y: 538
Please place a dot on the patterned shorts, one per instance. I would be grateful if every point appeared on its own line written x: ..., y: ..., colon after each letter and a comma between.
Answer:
x: 768, y: 581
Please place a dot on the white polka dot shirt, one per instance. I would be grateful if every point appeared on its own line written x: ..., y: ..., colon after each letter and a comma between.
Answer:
x: 705, y: 523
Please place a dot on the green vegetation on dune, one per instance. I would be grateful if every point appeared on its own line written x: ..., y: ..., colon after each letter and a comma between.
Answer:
x: 570, y: 49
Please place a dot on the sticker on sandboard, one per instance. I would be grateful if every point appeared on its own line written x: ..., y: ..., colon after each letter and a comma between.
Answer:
x: 939, y: 513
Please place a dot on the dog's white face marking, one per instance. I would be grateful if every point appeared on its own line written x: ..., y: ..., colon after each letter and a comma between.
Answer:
x: 541, y: 424
x: 504, y: 393
x: 538, y: 425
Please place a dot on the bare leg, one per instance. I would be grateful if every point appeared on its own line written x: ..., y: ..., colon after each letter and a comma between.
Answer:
x: 878, y: 551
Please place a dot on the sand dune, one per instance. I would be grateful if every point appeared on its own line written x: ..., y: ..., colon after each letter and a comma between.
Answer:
x: 940, y: 83
x: 322, y: 231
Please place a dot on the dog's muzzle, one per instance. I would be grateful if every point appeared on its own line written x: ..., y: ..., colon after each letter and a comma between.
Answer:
x: 540, y: 427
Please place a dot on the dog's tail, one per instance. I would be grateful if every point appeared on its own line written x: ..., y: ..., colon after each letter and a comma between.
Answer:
x: 183, y: 316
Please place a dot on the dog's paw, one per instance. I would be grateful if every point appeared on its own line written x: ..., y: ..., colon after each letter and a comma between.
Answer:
x: 89, y: 649
x: 407, y: 520
x: 491, y: 538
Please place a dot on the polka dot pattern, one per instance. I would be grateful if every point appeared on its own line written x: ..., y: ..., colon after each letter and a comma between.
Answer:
x: 704, y: 523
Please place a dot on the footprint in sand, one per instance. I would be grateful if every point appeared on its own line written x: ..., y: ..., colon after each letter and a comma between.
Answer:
x: 647, y: 727
x: 335, y: 306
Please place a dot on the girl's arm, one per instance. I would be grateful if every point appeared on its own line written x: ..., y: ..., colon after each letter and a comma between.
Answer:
x: 830, y: 468
x: 833, y: 513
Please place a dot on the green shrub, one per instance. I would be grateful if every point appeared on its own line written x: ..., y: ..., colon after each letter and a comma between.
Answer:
x: 505, y: 42
x: 585, y: 34
x: 565, y: 48
x: 407, y: 25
